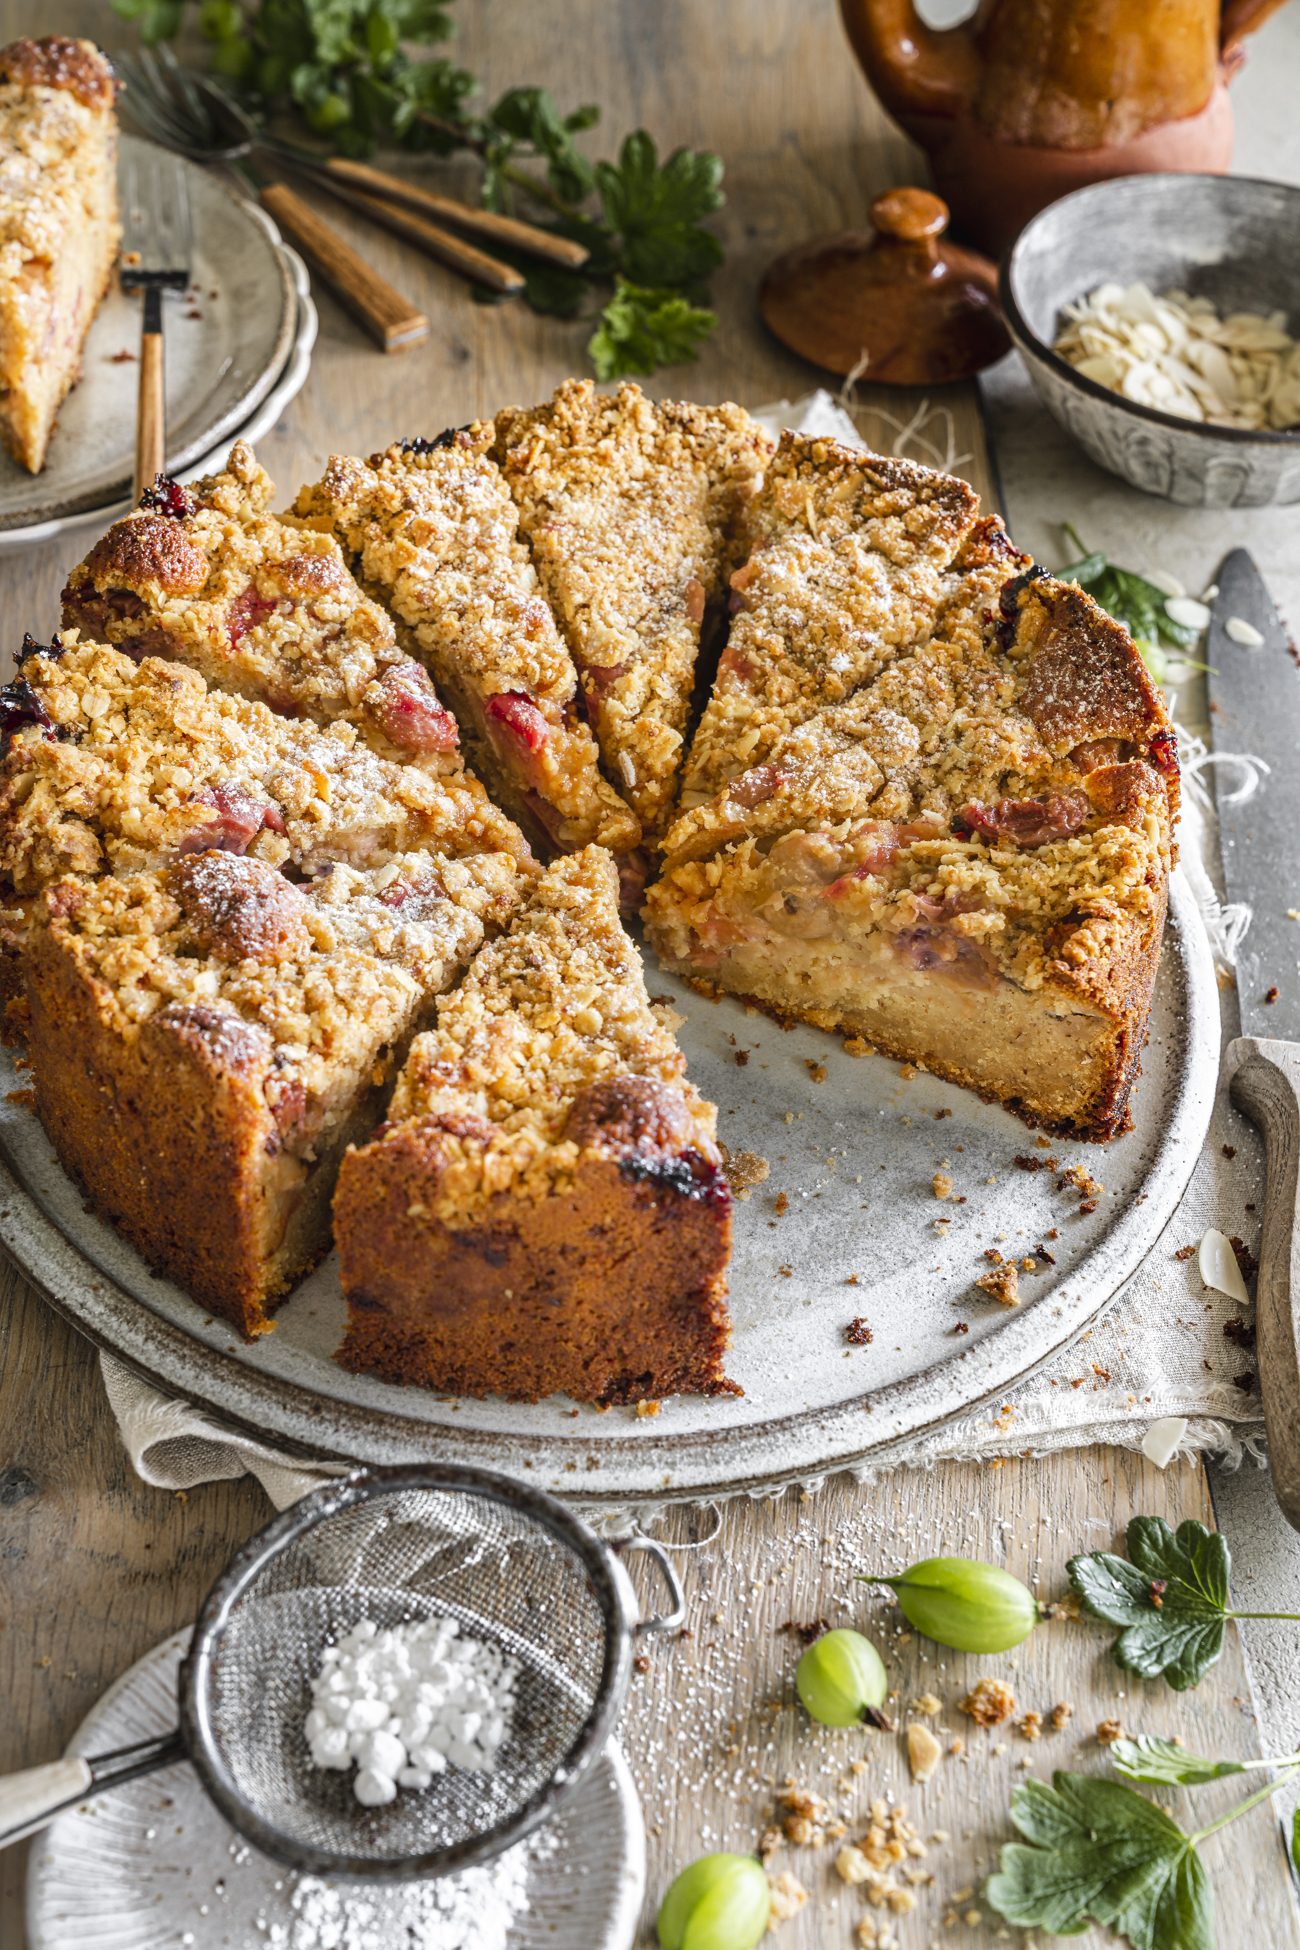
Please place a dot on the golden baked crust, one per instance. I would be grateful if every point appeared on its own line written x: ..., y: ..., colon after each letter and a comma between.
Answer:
x: 631, y: 510
x: 430, y: 528
x: 59, y: 229
x: 207, y: 575
x: 228, y: 1031
x: 545, y: 1208
x: 846, y: 554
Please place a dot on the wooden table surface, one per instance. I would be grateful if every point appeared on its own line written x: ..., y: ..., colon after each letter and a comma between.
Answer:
x: 95, y: 1568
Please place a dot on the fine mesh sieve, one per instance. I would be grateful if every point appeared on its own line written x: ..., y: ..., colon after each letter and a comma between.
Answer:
x: 511, y: 1564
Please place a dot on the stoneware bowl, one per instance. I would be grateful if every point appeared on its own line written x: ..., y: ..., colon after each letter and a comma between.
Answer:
x: 1232, y: 239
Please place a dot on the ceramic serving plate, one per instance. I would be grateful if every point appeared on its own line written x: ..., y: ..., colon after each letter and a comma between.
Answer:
x: 845, y: 1226
x: 225, y: 345
x: 152, y: 1865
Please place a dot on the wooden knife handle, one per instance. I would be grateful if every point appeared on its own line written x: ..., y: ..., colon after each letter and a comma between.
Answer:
x: 449, y: 209
x: 1266, y: 1086
x: 150, y: 406
x: 391, y: 320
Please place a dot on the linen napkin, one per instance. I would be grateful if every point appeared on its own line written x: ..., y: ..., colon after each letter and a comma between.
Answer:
x: 1169, y: 1367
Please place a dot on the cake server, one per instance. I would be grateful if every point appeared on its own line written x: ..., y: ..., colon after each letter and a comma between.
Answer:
x: 1255, y: 708
x: 156, y: 243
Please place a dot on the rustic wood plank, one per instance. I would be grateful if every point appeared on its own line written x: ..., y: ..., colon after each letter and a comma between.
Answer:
x: 96, y: 1567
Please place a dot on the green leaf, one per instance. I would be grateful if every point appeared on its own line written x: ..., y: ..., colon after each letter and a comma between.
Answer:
x: 1148, y: 1758
x: 657, y: 211
x: 1096, y: 1852
x: 1171, y: 1599
x: 158, y: 20
x: 1295, y: 1841
x: 529, y: 117
x: 641, y: 329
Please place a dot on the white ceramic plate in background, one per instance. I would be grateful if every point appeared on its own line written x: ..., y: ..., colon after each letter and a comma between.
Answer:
x: 220, y: 362
x: 152, y: 1865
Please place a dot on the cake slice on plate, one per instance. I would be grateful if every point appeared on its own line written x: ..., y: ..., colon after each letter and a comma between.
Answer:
x: 631, y: 510
x: 206, y: 1039
x: 59, y: 231
x: 431, y: 530
x: 206, y: 574
x: 847, y: 558
x: 109, y: 765
x: 990, y: 908
x: 545, y: 1209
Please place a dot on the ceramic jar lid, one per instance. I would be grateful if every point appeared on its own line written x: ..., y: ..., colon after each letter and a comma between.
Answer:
x: 924, y: 311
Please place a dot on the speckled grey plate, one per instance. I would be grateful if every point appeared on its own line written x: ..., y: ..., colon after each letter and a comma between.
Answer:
x: 153, y: 1865
x: 844, y: 1226
x: 223, y: 352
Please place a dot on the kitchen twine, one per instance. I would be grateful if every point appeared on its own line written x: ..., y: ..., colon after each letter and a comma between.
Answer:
x: 1157, y: 1372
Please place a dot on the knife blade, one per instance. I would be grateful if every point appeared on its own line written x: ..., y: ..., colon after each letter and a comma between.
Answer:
x: 1255, y: 709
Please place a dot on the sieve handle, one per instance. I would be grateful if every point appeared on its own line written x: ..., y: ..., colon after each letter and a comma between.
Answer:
x: 663, y: 1621
x: 30, y: 1800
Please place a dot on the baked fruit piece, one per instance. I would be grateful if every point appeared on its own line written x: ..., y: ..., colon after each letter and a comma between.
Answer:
x: 631, y: 510
x: 990, y: 903
x: 207, y: 575
x: 431, y: 530
x: 545, y: 1209
x: 233, y: 1031
x: 847, y: 554
x: 108, y: 765
x: 59, y: 231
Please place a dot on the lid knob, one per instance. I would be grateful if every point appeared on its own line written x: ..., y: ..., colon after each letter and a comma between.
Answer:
x: 909, y: 215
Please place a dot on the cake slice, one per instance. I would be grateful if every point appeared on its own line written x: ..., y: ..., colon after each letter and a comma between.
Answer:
x: 990, y: 908
x: 545, y: 1209
x: 431, y: 530
x: 59, y: 231
x: 848, y: 553
x: 206, y: 1039
x: 631, y: 510
x: 207, y: 575
x: 108, y: 765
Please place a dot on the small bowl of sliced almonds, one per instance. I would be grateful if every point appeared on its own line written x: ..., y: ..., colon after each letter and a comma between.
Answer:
x: 1159, y: 317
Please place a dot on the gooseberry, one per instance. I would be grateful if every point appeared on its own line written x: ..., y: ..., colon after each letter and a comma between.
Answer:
x: 959, y: 1602
x: 720, y: 1902
x: 839, y: 1677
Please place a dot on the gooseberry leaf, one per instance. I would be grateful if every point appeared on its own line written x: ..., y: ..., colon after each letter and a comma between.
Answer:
x: 1149, y: 1758
x: 1170, y: 1595
x: 1096, y: 1852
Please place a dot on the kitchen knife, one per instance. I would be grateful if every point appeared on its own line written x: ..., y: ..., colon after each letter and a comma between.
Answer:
x: 1255, y: 708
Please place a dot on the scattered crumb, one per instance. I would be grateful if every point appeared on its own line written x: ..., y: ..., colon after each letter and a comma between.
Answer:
x: 788, y: 1896
x: 781, y: 1204
x: 786, y: 1272
x: 817, y: 1071
x: 1186, y: 1252
x: 923, y: 1751
x: 941, y: 1185
x: 1237, y: 1331
x: 1002, y: 1283
x: 648, y: 1408
x: 857, y: 1046
x: 1109, y: 1732
x: 989, y: 1703
x: 1060, y: 1716
x: 1030, y: 1726
x: 1023, y: 1162
x: 852, y: 1280
x: 745, y: 1169
x: 805, y: 1630
x: 803, y: 1817
x: 929, y: 1706
x: 1272, y: 992
x: 857, y: 1333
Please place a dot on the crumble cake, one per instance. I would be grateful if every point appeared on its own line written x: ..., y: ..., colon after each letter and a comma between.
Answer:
x: 233, y: 1031
x: 545, y: 1208
x: 847, y: 555
x: 207, y: 575
x: 631, y: 510
x: 990, y: 907
x: 59, y: 228
x: 109, y: 765
x: 431, y: 530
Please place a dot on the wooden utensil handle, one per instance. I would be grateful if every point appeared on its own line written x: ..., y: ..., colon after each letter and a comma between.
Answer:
x: 1266, y: 1085
x: 150, y: 407
x: 449, y: 249
x: 482, y: 223
x: 391, y: 320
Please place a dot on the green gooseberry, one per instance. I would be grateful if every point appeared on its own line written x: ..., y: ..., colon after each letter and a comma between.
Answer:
x: 839, y: 1677
x: 720, y: 1902
x: 959, y: 1602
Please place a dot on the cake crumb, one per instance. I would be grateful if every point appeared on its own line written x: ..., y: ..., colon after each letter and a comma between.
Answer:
x: 648, y: 1408
x: 858, y: 1333
x: 745, y: 1169
x: 923, y: 1752
x: 989, y: 1703
x: 1030, y: 1726
x: 781, y: 1204
x: 941, y: 1185
x: 1002, y: 1282
x: 1060, y: 1716
x: 1109, y: 1732
x: 816, y: 1070
x: 929, y: 1706
x: 788, y: 1896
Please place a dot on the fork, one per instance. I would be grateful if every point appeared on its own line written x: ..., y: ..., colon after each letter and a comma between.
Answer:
x: 177, y: 111
x: 156, y: 244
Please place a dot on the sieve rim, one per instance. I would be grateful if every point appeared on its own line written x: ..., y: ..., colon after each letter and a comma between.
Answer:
x: 610, y: 1586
